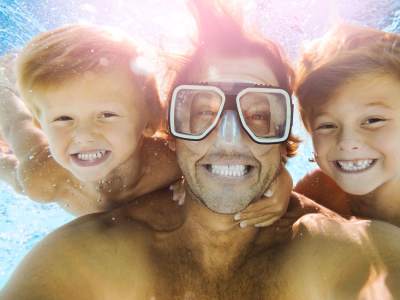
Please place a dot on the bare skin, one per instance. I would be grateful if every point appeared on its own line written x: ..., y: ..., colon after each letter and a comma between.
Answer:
x: 358, y: 125
x: 29, y: 167
x: 322, y: 189
x: 32, y: 170
x: 8, y: 167
x: 160, y: 258
x: 155, y: 249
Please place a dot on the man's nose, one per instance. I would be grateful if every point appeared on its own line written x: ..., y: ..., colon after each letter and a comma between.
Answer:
x: 349, y: 140
x: 229, y: 129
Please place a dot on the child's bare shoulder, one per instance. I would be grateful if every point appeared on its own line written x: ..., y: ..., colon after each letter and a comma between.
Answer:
x: 323, y: 190
x: 159, y: 166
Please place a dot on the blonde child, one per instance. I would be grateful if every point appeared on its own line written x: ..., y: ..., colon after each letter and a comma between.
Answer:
x: 91, y: 150
x: 94, y: 114
x: 349, y: 91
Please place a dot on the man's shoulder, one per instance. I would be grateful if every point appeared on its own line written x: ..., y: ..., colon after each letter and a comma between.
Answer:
x: 343, y: 258
x: 90, y: 236
x: 371, y: 238
x: 156, y: 210
x: 81, y: 258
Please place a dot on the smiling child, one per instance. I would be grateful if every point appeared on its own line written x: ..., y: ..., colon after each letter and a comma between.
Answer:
x: 348, y: 91
x: 86, y: 136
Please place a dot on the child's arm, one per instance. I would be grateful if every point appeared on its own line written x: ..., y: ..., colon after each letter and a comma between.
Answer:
x: 323, y: 190
x: 37, y: 173
x: 272, y: 206
x: 160, y: 167
x: 266, y: 211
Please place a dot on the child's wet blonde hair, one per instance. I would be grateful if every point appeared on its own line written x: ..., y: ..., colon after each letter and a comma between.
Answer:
x: 343, y: 54
x: 57, y: 56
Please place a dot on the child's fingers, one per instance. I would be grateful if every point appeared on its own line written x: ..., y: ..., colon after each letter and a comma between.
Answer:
x: 181, y: 199
x: 5, y: 151
x: 254, y: 221
x: 264, y: 202
x: 268, y: 210
x: 267, y: 223
x: 178, y: 192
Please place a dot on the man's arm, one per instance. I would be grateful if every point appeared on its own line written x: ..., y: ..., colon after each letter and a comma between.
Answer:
x: 345, y: 259
x: 90, y: 258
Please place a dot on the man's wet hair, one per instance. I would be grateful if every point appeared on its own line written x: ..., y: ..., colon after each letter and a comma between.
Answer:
x: 220, y: 33
x: 342, y: 55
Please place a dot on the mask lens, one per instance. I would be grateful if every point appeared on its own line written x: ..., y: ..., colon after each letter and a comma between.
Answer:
x: 264, y: 113
x: 196, y: 110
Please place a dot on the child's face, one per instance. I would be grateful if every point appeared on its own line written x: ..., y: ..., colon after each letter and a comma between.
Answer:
x: 356, y: 134
x: 93, y: 123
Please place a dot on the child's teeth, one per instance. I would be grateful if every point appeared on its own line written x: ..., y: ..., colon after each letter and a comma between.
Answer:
x: 229, y: 170
x: 91, y: 155
x: 355, y: 165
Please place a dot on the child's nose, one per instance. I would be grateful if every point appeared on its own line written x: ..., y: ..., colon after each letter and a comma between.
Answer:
x: 349, y: 141
x: 348, y: 145
x: 85, y: 133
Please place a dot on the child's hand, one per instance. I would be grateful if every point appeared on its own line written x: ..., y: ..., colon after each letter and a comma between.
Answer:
x: 7, y: 74
x: 271, y: 207
x: 5, y: 149
x: 178, y: 191
x: 8, y: 167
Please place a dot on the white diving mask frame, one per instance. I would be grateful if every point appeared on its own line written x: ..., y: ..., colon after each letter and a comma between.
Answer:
x: 229, y: 97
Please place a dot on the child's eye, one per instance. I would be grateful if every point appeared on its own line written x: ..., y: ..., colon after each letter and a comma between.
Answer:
x: 374, y: 121
x: 108, y: 114
x: 325, y: 127
x: 62, y: 119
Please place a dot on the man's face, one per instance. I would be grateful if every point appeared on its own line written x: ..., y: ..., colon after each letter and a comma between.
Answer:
x: 227, y: 170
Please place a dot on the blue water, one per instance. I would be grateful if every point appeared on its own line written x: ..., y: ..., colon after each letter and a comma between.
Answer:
x: 167, y: 24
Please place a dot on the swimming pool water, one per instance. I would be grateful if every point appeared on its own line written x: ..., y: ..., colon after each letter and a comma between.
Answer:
x: 23, y: 222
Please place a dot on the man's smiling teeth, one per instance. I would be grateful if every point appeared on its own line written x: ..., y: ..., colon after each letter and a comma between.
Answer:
x: 354, y: 165
x: 229, y: 170
x: 91, y: 155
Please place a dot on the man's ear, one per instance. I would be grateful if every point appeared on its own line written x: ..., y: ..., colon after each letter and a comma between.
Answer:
x: 149, y: 130
x: 172, y: 144
x: 283, y: 150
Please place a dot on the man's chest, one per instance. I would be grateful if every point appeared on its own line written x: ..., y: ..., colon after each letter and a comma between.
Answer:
x: 181, y: 278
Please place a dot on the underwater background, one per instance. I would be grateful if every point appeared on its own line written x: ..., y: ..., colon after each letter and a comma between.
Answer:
x: 165, y: 24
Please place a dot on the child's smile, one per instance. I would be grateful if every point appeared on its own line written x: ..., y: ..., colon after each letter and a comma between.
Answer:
x: 90, y: 158
x: 354, y: 166
x: 356, y: 134
x: 93, y: 124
